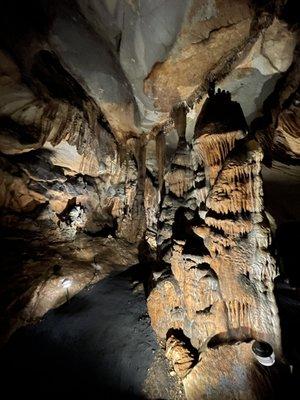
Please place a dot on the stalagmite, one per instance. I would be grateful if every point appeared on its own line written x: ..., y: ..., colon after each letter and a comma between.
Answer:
x: 181, y: 195
x: 220, y: 291
x: 134, y: 223
x: 160, y: 156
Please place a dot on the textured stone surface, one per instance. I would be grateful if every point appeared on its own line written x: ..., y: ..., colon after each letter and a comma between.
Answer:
x: 100, y: 166
x: 220, y: 289
x: 33, y: 273
x: 255, y: 77
x: 217, y: 22
x: 241, y: 377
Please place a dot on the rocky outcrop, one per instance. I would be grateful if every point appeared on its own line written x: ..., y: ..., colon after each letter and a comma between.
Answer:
x: 38, y: 276
x: 64, y: 189
x: 278, y: 130
x: 255, y: 76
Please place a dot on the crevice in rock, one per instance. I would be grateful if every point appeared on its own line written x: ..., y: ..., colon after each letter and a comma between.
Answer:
x: 242, y: 334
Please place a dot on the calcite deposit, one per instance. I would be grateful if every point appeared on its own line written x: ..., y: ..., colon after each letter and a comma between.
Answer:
x: 136, y: 133
x: 220, y: 289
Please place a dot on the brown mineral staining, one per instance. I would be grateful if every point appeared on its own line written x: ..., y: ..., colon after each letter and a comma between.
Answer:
x: 184, y: 59
x: 222, y: 272
x: 160, y: 156
x: 179, y: 356
x: 228, y: 372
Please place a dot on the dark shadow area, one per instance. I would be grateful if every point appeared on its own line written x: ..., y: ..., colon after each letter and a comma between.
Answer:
x: 60, y: 84
x: 219, y: 114
x: 17, y: 132
x: 105, y: 231
x: 99, y: 343
x: 287, y: 293
x: 183, y: 230
x: 288, y: 303
x: 194, y: 245
x: 241, y: 334
x: 281, y: 195
x: 287, y: 242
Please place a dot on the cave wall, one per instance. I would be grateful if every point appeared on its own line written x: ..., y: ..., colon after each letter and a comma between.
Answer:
x: 98, y: 107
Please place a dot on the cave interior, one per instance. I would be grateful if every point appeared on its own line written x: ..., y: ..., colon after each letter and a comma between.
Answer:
x: 149, y: 199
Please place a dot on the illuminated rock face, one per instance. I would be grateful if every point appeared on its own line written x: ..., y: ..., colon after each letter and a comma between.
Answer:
x: 219, y: 295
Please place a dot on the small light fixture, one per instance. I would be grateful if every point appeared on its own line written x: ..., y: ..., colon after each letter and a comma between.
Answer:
x: 66, y: 283
x: 263, y: 352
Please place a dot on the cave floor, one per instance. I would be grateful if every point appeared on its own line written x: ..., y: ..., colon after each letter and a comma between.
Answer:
x: 99, y: 343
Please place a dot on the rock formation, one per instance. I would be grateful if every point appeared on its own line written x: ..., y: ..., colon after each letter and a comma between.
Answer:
x: 219, y: 295
x: 115, y: 150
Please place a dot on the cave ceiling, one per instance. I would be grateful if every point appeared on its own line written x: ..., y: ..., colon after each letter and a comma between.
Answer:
x: 134, y: 61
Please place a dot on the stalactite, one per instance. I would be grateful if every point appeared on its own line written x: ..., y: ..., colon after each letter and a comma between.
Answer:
x: 233, y: 227
x: 180, y: 181
x: 236, y: 191
x: 178, y: 115
x: 212, y: 149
